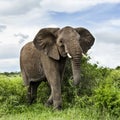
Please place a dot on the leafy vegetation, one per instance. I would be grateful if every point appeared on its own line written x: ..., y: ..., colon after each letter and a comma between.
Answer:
x: 97, y: 97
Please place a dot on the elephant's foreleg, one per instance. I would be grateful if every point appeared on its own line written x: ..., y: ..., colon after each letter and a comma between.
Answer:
x: 55, y: 97
x: 56, y: 94
x: 50, y: 99
x: 52, y: 73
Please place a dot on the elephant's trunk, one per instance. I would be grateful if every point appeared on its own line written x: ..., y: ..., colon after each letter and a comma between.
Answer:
x: 76, y: 70
x: 76, y: 53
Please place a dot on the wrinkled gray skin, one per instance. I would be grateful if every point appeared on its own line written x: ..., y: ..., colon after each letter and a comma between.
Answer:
x: 44, y: 59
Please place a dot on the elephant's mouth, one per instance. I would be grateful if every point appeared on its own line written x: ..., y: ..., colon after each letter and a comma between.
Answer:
x: 64, y: 54
x: 67, y: 54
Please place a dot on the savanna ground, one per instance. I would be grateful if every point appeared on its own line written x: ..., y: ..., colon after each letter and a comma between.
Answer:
x: 97, y: 97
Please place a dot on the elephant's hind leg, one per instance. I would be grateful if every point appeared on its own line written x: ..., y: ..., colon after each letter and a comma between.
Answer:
x: 32, y: 92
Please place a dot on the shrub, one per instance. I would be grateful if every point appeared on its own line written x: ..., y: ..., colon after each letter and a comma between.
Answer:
x: 91, y: 75
x: 107, y: 94
x: 12, y: 93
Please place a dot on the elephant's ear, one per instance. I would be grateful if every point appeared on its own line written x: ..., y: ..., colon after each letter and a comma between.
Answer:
x: 86, y: 38
x: 46, y: 40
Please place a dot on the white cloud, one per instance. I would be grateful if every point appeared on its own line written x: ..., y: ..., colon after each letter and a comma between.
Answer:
x: 22, y: 37
x: 8, y: 51
x: 106, y: 54
x: 114, y: 22
x: 35, y: 17
x: 8, y: 65
x: 14, y: 7
x: 2, y: 27
x: 22, y: 13
x: 106, y: 48
x: 52, y: 25
x: 8, y: 35
x: 71, y: 6
x: 107, y: 31
x: 108, y: 24
x: 111, y: 36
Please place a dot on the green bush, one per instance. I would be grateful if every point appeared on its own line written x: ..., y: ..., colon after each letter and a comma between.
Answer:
x: 107, y: 94
x: 12, y: 93
x: 91, y: 76
x: 99, y: 87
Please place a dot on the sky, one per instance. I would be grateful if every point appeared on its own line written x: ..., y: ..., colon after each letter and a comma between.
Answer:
x: 20, y: 20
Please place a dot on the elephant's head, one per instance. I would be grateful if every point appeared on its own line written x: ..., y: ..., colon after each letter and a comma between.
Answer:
x: 57, y: 43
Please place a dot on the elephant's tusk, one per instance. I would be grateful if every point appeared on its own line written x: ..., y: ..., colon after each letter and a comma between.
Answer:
x: 85, y: 56
x: 69, y: 55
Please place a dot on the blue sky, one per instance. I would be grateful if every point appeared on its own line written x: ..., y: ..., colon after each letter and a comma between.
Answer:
x: 98, y: 13
x: 20, y: 20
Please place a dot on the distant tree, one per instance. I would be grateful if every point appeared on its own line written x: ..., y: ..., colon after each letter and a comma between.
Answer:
x: 117, y: 68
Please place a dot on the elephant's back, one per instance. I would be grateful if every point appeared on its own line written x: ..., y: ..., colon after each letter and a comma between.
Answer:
x: 29, y: 54
x: 30, y: 63
x: 29, y: 49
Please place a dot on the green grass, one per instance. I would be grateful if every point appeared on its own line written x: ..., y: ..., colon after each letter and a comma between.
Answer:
x: 48, y: 114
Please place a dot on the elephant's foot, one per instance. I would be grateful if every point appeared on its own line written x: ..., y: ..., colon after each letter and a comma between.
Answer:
x: 57, y: 108
x: 31, y: 99
x: 49, y: 103
x: 58, y: 105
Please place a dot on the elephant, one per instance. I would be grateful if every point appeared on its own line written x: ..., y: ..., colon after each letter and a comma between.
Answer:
x: 44, y: 58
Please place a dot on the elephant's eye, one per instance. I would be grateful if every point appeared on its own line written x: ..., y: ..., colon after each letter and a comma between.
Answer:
x: 61, y: 41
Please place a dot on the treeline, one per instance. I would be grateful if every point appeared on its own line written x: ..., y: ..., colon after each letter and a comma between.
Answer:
x: 10, y: 73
